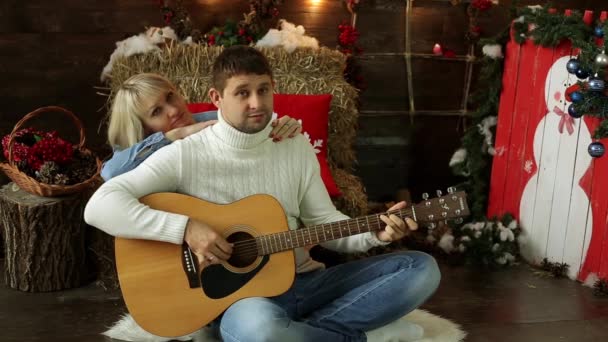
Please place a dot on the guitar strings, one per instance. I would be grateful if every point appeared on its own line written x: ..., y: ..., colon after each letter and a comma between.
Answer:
x: 250, y: 246
x: 333, y: 229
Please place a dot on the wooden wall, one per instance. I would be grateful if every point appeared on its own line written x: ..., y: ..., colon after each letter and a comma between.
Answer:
x: 52, y: 52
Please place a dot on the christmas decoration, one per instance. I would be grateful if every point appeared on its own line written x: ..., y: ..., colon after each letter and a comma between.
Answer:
x: 437, y: 50
x: 555, y: 269
x: 573, y: 65
x: 601, y: 60
x: 471, y: 161
x: 449, y: 53
x: 582, y: 73
x: 600, y: 288
x: 493, y: 51
x: 573, y: 112
x: 598, y: 31
x: 487, y: 244
x: 347, y: 44
x: 474, y: 9
x: 596, y: 84
x: 48, y: 158
x: 481, y: 5
x: 262, y: 15
x: 596, y: 149
x: 576, y: 97
x: 347, y: 39
x: 178, y: 19
x: 550, y: 29
x: 289, y: 37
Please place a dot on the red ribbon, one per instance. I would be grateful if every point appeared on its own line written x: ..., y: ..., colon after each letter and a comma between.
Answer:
x: 566, y: 120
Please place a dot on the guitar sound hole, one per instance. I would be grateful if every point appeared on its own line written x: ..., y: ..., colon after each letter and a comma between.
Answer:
x: 244, y: 252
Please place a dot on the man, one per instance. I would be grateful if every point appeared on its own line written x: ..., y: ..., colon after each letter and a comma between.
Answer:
x: 235, y: 159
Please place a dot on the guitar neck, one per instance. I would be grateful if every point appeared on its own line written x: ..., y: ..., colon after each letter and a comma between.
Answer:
x: 278, y: 242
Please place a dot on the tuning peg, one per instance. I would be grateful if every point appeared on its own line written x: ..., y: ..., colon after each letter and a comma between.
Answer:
x: 425, y: 196
x: 432, y: 225
x: 451, y: 190
x: 459, y: 220
x: 439, y: 193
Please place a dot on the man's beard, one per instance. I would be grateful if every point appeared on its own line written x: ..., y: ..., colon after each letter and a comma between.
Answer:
x: 248, y: 128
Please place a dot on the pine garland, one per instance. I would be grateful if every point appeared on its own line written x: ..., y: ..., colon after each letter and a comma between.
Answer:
x: 261, y: 16
x: 489, y: 244
x: 556, y: 269
x: 549, y: 29
x: 600, y: 288
x: 477, y: 164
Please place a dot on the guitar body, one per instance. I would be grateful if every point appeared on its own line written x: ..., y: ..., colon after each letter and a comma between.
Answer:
x: 154, y: 282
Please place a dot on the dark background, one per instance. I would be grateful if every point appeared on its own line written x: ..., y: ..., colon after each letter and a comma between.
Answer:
x: 52, y: 53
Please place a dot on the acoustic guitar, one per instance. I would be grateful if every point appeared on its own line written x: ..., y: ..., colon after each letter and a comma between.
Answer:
x: 169, y: 296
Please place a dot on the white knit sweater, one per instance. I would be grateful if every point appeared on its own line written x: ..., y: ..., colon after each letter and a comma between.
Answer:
x: 222, y: 165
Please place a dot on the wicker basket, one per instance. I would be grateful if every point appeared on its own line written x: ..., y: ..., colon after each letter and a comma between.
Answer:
x: 30, y: 184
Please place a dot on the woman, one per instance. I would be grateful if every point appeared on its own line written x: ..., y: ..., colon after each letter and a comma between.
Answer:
x: 149, y: 113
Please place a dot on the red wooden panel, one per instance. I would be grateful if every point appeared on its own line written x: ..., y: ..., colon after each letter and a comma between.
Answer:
x: 498, y: 180
x: 597, y: 185
x: 599, y: 206
x: 531, y: 81
x: 522, y: 107
x: 601, y: 196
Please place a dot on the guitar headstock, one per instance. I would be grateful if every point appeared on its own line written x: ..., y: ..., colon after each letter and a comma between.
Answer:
x: 442, y: 208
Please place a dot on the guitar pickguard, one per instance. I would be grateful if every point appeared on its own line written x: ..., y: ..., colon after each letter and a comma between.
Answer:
x: 218, y: 282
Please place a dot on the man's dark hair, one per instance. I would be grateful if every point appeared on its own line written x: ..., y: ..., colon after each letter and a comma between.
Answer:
x: 238, y: 60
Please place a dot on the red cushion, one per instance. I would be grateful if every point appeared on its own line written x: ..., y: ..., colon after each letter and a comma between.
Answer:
x: 313, y: 113
x: 200, y: 107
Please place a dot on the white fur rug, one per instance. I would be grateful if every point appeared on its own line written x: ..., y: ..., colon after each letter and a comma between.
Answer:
x: 436, y: 329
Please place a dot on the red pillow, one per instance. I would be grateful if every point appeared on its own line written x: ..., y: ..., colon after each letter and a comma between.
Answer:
x: 200, y: 107
x: 313, y: 113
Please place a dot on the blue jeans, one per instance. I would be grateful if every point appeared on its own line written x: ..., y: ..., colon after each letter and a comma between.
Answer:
x: 336, y: 304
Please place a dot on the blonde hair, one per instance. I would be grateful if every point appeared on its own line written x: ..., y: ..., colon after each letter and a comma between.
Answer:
x: 131, y: 101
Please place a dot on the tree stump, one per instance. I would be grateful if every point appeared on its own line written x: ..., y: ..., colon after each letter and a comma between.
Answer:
x: 44, y: 240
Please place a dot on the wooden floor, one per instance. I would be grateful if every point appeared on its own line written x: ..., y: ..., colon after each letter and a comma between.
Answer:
x: 511, y: 305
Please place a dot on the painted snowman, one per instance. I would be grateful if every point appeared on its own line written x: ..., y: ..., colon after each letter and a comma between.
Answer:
x: 555, y: 211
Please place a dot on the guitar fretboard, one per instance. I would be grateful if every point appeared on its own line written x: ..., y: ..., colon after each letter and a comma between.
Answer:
x: 278, y: 242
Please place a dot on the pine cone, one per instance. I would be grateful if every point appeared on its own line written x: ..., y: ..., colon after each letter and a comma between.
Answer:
x: 61, y: 179
x: 600, y: 288
x: 47, y: 172
x: 24, y: 167
x: 82, y: 168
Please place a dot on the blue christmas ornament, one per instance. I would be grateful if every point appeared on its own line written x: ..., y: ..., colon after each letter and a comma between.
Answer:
x: 596, y: 149
x: 576, y: 97
x: 582, y: 73
x: 598, y: 31
x: 573, y: 65
x: 597, y: 84
x: 573, y: 112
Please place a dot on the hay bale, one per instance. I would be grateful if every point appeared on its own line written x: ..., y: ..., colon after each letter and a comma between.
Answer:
x: 354, y: 201
x: 304, y: 71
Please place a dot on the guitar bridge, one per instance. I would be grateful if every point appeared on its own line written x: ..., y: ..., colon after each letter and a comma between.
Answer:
x: 190, y: 265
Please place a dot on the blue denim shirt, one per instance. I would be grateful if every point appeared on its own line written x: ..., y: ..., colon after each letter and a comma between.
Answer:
x: 126, y: 160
